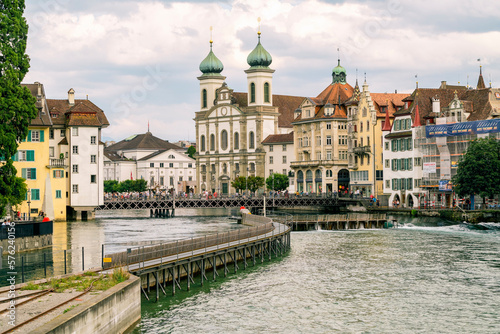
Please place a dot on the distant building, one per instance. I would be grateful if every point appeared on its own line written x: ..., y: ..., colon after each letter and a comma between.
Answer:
x: 164, y: 165
x: 279, y: 154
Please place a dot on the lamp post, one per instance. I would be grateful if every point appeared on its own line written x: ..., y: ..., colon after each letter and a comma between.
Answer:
x: 246, y: 182
x: 274, y: 192
x: 29, y: 205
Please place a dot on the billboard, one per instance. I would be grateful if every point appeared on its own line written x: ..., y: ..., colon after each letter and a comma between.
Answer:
x: 445, y: 185
x: 429, y: 167
x: 463, y: 128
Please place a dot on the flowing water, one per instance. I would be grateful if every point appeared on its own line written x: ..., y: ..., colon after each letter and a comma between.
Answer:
x: 428, y: 276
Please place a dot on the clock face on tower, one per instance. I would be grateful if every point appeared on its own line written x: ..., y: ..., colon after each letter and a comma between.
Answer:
x: 223, y: 111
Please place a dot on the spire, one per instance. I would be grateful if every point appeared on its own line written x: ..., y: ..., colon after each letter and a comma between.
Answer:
x: 416, y: 121
x: 339, y: 74
x: 480, y: 81
x: 387, y: 123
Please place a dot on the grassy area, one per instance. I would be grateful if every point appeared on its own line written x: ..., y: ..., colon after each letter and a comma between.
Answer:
x: 81, y: 282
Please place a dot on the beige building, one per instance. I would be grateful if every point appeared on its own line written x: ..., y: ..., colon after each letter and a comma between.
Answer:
x: 230, y: 127
x: 279, y: 154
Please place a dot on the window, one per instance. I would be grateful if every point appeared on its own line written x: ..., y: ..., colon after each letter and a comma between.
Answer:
x: 161, y: 180
x: 93, y: 179
x: 379, y: 175
x: 63, y: 133
x: 75, y: 189
x: 36, y: 135
x: 284, y: 171
x: 236, y: 141
x: 387, y: 164
x: 58, y: 194
x: 284, y: 159
x: 24, y: 155
x: 202, y: 143
x: 151, y: 164
x: 180, y: 178
x: 223, y: 139
x: 387, y: 145
x: 271, y: 172
x: 74, y: 131
x: 212, y: 142
x: 190, y: 178
x: 329, y: 126
x: 93, y: 140
x: 29, y: 173
x: 284, y: 148
x: 204, y: 98
x: 51, y: 133
x: 190, y: 165
x: 271, y: 160
x: 328, y: 155
x: 252, y: 93
x: 35, y: 194
x: 75, y: 168
x: 51, y: 152
x: 387, y: 183
x: 367, y: 125
x: 418, y: 162
x: 271, y: 148
x: 171, y: 180
x: 162, y: 164
x: 58, y: 174
x: 171, y: 164
x: 75, y: 149
x: 328, y: 140
x: 318, y: 140
x: 251, y: 140
x: 266, y: 92
x: 329, y: 173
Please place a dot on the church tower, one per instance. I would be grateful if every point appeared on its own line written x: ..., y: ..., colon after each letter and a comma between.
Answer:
x: 211, y: 80
x: 259, y: 77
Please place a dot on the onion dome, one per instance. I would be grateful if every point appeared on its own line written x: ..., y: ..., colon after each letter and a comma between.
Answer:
x: 259, y: 57
x: 339, y: 74
x: 211, y: 65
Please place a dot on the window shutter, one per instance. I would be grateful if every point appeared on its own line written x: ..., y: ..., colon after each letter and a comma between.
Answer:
x: 410, y: 164
x: 33, y: 173
x: 30, y: 155
x: 15, y: 157
x: 42, y: 137
x: 29, y: 135
x: 23, y: 173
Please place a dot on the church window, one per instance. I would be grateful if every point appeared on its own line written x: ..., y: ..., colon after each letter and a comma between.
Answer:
x: 251, y: 140
x: 212, y: 142
x: 236, y: 141
x: 223, y: 139
x: 204, y: 98
x: 252, y: 93
x: 202, y: 143
x: 266, y: 92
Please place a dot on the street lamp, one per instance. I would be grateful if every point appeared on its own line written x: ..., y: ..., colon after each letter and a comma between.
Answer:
x: 29, y: 205
x: 274, y: 192
x: 246, y: 182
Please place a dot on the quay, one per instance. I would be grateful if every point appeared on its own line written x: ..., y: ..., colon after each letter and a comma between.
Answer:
x: 348, y: 221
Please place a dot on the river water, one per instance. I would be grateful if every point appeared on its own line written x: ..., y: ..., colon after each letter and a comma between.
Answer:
x: 428, y: 276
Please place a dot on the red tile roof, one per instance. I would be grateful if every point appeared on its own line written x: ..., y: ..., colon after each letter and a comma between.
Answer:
x: 282, y: 138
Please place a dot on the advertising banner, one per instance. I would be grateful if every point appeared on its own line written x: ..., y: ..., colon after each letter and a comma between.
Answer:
x: 463, y: 128
x: 445, y: 185
x: 429, y: 167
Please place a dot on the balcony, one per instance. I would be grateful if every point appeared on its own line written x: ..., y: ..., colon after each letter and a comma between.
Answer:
x: 353, y: 166
x: 312, y: 163
x: 362, y: 150
x: 56, y: 163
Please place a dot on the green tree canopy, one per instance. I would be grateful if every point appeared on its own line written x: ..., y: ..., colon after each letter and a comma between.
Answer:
x: 479, y: 169
x: 281, y: 182
x: 255, y: 182
x: 191, y: 151
x: 125, y: 186
x: 17, y: 105
x: 239, y: 183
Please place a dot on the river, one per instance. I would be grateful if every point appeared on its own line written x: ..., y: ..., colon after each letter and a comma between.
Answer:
x: 428, y: 276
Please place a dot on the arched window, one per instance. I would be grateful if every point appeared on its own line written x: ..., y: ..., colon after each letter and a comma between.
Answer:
x: 223, y: 140
x: 204, y: 98
x: 252, y: 167
x: 266, y: 92
x: 202, y: 143
x: 252, y: 93
x: 212, y: 142
x: 309, y: 175
x: 236, y: 141
x: 300, y: 176
x: 251, y: 140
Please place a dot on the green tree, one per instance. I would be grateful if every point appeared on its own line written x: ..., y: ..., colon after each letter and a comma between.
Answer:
x: 479, y: 169
x: 255, y: 182
x: 239, y: 183
x: 110, y: 186
x: 191, y: 151
x: 139, y: 185
x: 17, y: 105
x: 281, y: 182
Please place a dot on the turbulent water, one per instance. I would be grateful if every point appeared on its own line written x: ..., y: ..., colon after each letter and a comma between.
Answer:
x: 428, y: 276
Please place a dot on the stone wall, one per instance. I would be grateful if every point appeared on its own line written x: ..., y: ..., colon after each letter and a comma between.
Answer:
x: 28, y: 243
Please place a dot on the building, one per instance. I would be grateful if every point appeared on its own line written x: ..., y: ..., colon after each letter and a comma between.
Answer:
x: 279, y: 154
x: 164, y: 165
x: 61, y: 159
x: 230, y: 126
x: 320, y: 137
x: 367, y: 114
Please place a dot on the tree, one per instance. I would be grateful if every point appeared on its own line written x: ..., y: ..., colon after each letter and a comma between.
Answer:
x: 479, y: 169
x: 281, y: 182
x: 17, y: 105
x: 191, y: 151
x: 110, y: 186
x: 239, y: 183
x: 255, y: 182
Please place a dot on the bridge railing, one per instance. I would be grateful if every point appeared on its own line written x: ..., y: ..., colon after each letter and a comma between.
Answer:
x: 141, y: 254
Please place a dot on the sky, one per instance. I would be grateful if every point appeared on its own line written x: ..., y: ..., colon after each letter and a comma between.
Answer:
x: 139, y: 60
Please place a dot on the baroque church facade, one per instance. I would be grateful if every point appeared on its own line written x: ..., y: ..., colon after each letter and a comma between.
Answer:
x: 231, y: 126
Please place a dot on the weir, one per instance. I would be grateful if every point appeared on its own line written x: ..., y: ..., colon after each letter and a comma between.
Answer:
x: 165, y: 266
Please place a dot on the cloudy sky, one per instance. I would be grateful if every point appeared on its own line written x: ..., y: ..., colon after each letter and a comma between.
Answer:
x: 138, y: 60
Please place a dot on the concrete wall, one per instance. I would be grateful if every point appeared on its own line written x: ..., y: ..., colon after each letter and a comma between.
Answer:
x: 115, y: 310
x: 28, y: 243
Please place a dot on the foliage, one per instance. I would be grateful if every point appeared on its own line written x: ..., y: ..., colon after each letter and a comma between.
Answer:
x: 281, y: 182
x: 255, y: 182
x: 239, y: 183
x: 191, y: 151
x: 17, y: 105
x: 125, y: 186
x: 479, y: 169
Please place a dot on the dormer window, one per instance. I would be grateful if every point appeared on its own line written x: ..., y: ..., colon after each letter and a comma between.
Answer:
x: 328, y: 109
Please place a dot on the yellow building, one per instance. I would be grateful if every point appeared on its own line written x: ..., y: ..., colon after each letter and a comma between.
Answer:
x: 366, y: 117
x: 45, y: 176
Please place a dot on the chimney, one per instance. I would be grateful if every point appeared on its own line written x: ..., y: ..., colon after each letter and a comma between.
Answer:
x: 39, y: 91
x: 71, y: 97
x: 436, y: 107
x: 443, y: 85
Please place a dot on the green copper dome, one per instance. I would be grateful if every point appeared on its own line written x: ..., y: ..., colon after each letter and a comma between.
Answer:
x: 339, y: 74
x: 211, y: 64
x: 259, y: 57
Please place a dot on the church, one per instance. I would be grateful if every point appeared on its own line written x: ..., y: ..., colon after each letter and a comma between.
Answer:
x: 231, y: 126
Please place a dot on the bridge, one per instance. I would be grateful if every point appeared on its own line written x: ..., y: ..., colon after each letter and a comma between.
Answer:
x: 161, y: 207
x: 168, y: 263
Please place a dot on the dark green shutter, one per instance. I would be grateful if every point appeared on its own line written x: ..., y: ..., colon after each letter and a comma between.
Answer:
x: 33, y: 173
x: 23, y: 173
x: 30, y: 155
x: 42, y: 136
x: 29, y: 135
